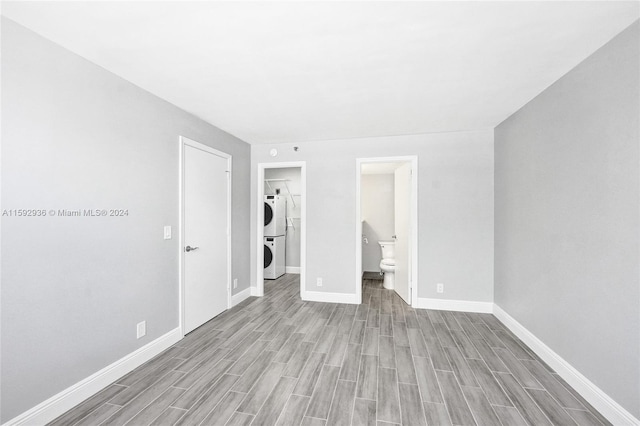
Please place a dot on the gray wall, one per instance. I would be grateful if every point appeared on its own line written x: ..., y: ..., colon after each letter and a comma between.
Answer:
x: 377, y: 210
x: 292, y: 174
x: 567, y: 223
x: 73, y: 289
x: 455, y: 210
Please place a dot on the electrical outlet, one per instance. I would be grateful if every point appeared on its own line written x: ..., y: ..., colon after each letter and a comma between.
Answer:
x: 235, y: 283
x: 440, y: 288
x: 319, y: 282
x: 141, y: 329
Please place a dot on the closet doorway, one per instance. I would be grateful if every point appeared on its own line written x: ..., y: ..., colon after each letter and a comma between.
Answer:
x: 281, y: 191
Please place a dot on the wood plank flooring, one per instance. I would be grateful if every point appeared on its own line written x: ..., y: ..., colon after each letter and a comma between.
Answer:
x: 277, y: 360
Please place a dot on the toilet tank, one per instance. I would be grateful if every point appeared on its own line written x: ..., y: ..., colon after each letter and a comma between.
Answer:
x: 388, y: 249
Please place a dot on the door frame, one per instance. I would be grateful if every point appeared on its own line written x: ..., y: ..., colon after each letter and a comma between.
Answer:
x: 413, y: 161
x: 184, y: 141
x: 302, y: 165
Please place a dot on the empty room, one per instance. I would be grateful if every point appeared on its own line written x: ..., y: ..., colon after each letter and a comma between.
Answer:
x: 320, y: 213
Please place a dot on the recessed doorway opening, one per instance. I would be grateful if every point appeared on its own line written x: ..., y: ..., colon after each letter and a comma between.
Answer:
x: 386, y: 218
x: 281, y: 224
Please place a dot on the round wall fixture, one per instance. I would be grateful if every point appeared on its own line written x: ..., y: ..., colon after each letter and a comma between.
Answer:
x: 273, y: 152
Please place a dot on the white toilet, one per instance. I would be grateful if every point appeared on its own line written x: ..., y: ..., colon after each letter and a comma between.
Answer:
x: 388, y: 263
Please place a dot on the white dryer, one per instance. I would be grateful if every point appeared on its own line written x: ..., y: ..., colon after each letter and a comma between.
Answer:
x: 274, y: 253
x: 275, y: 215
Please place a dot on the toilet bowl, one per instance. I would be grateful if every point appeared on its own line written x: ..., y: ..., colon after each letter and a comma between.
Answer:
x: 388, y: 263
x: 388, y: 268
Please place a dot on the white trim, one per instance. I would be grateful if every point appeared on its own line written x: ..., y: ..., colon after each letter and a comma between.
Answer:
x: 182, y: 141
x: 180, y: 235
x: 413, y: 161
x: 258, y: 289
x: 320, y: 296
x: 239, y: 297
x: 602, y: 402
x: 58, y: 404
x: 455, y: 305
x: 292, y: 269
x: 229, y: 224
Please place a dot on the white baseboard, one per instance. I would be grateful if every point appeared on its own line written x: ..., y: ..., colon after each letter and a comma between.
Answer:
x: 239, y: 297
x: 62, y: 402
x: 319, y: 296
x: 255, y: 292
x: 292, y: 269
x: 602, y: 402
x: 454, y: 305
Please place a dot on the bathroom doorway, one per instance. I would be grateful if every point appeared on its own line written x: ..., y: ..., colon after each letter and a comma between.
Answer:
x: 386, y: 213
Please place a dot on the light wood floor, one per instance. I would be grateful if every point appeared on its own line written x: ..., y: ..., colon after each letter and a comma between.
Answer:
x: 278, y: 360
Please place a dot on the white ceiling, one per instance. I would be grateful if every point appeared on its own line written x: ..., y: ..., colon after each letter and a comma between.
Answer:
x: 297, y: 71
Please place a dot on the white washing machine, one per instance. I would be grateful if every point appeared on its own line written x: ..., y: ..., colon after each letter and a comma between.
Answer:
x: 275, y: 215
x: 274, y: 252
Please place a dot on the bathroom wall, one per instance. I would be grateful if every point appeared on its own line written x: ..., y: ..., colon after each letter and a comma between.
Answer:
x: 292, y: 174
x: 455, y: 210
x: 377, y: 210
x: 567, y: 218
x: 75, y: 136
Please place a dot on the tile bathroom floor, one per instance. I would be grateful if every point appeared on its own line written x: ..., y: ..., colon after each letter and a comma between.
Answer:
x: 279, y: 360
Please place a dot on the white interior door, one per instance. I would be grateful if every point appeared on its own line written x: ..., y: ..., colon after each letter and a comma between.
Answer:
x: 205, y: 222
x: 403, y: 229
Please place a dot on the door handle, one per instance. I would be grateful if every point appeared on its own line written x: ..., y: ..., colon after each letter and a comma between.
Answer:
x: 189, y: 248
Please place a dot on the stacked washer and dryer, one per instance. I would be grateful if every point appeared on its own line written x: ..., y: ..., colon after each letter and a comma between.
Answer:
x: 275, y: 230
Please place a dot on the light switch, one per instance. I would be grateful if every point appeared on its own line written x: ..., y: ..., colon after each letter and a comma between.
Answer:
x: 167, y: 232
x: 141, y: 329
